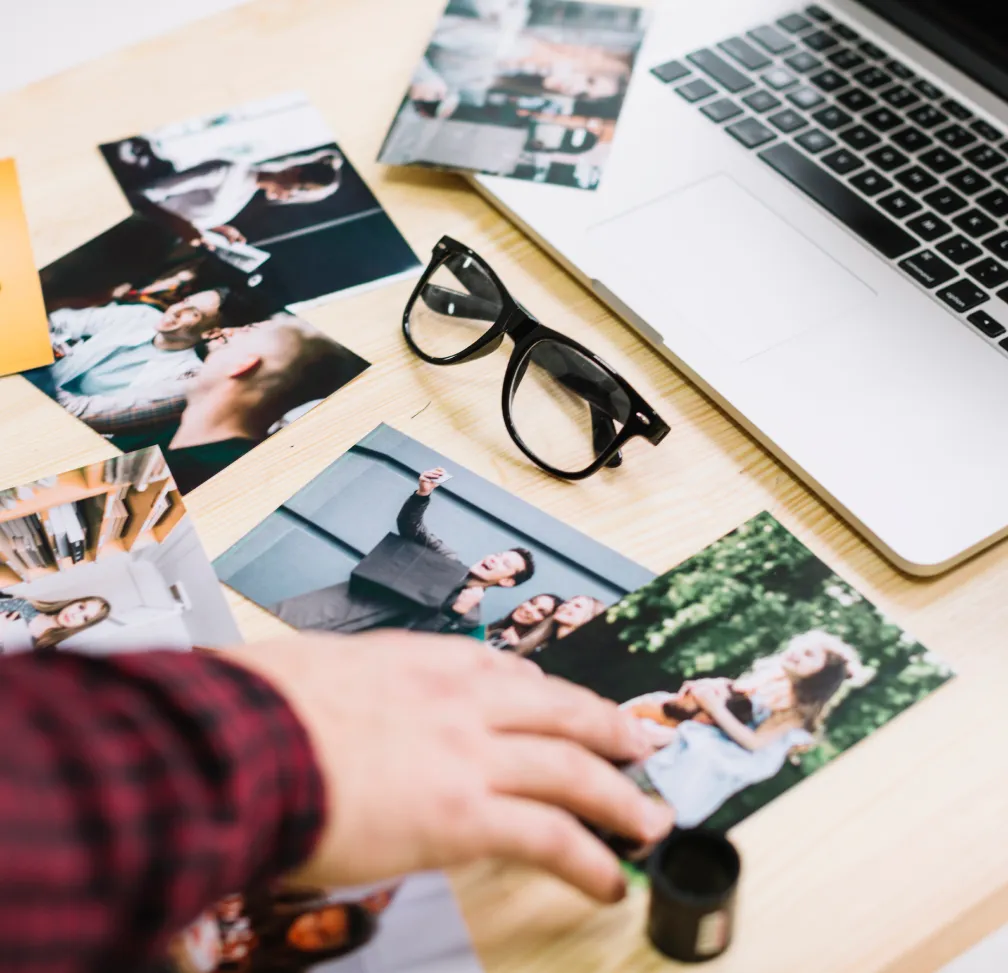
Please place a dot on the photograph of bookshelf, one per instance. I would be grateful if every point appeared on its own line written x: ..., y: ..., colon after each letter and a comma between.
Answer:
x: 86, y: 514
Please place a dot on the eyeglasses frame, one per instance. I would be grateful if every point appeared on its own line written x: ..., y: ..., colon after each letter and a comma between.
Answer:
x: 514, y: 321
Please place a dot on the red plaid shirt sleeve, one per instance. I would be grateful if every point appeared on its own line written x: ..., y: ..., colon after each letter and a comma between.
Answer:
x: 134, y: 792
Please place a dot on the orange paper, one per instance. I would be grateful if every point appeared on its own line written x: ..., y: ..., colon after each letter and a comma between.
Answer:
x: 24, y: 328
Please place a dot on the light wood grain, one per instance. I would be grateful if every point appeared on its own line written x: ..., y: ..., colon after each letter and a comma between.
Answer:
x: 880, y: 864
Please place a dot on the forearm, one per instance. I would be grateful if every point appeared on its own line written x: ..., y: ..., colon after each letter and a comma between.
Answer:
x: 733, y: 728
x: 136, y: 791
x: 110, y: 415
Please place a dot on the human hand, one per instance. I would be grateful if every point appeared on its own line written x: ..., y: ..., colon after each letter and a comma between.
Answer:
x: 430, y: 89
x: 230, y: 233
x: 430, y: 480
x: 121, y: 291
x: 437, y: 752
x: 711, y: 693
x: 10, y: 616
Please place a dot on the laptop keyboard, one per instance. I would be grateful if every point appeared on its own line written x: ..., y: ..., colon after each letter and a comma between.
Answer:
x: 910, y: 170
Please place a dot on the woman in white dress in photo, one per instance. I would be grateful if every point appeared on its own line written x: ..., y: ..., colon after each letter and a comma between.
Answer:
x: 705, y: 762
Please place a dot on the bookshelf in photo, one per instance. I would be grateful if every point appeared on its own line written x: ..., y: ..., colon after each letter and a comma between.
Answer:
x: 82, y: 515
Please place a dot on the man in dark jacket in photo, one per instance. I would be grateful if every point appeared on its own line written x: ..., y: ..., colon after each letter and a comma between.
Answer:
x: 411, y: 580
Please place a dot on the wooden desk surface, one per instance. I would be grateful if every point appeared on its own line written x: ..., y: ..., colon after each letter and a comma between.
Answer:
x: 891, y: 860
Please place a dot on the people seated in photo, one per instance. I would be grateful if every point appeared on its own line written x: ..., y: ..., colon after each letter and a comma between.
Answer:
x: 251, y: 378
x: 791, y: 692
x: 122, y: 357
x: 526, y: 628
x: 411, y: 580
x: 31, y: 625
x: 210, y: 195
x: 661, y: 713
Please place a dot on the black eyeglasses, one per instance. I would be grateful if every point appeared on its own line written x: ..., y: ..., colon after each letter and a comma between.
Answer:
x: 564, y: 407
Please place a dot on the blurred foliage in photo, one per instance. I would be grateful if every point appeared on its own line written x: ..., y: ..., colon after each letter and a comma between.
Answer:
x: 740, y: 600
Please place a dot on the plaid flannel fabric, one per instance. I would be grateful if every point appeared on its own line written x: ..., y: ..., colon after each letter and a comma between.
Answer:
x: 134, y: 792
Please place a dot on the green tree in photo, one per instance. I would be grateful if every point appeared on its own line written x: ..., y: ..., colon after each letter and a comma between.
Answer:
x: 740, y: 600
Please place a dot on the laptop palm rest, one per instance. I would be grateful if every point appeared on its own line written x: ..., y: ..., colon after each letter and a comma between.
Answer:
x: 711, y: 256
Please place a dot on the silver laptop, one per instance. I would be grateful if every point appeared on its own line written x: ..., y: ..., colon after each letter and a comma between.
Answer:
x: 806, y: 211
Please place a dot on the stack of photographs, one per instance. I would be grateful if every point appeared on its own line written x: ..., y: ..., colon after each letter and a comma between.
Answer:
x: 529, y: 89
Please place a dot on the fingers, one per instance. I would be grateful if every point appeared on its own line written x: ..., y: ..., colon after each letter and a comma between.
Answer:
x: 555, y: 708
x: 545, y: 837
x: 563, y: 774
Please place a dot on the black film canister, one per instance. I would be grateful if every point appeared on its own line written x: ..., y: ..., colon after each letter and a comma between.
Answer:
x: 694, y: 875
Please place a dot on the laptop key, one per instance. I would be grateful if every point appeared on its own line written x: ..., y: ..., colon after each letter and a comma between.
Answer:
x: 963, y: 296
x: 845, y: 33
x: 815, y: 141
x: 870, y: 182
x: 985, y: 324
x: 842, y: 161
x: 883, y: 120
x: 787, y: 121
x: 986, y: 131
x: 998, y: 245
x: 927, y: 116
x: 988, y: 272
x: 928, y: 269
x: 956, y: 110
x: 805, y: 98
x: 928, y: 90
x: 984, y: 157
x: 968, y: 181
x: 820, y: 40
x: 955, y: 136
x: 696, y: 90
x: 856, y: 100
x: 940, y: 160
x: 945, y: 201
x: 859, y: 137
x: 817, y: 13
x: 916, y: 179
x: 778, y: 79
x: 802, y: 62
x: 899, y: 204
x: 720, y: 70
x: 829, y: 80
x: 959, y: 250
x: 846, y: 59
x: 794, y: 23
x: 928, y: 227
x: 670, y: 71
x: 832, y: 118
x: 872, y: 77
x: 721, y: 110
x: 761, y: 101
x: 899, y: 96
x: 746, y: 55
x: 872, y: 50
x: 887, y: 158
x: 771, y: 39
x: 975, y: 224
x: 876, y: 229
x: 899, y: 69
x: 995, y: 202
x: 912, y: 139
x: 1001, y: 176
x: 750, y: 132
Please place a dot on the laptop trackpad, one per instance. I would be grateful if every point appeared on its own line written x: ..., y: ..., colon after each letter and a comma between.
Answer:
x: 711, y: 256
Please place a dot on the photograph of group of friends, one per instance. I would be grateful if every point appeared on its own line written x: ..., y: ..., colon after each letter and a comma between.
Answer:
x: 159, y: 342
x: 265, y: 186
x: 395, y: 535
x: 750, y: 666
x: 287, y: 930
x: 120, y: 582
x: 529, y: 89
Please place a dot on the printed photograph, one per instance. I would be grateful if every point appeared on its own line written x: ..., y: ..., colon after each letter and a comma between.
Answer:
x: 395, y: 535
x: 159, y: 343
x: 102, y: 559
x: 413, y: 928
x: 530, y: 89
x: 266, y: 183
x: 752, y: 665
